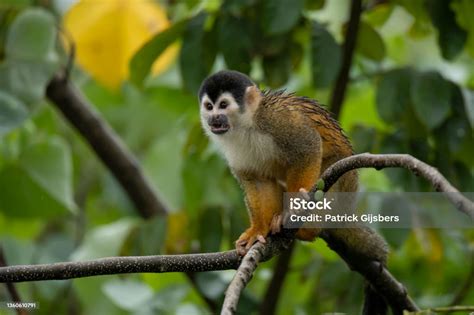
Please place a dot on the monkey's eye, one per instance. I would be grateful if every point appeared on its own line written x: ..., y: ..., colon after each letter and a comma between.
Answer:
x: 223, y: 105
x: 208, y: 106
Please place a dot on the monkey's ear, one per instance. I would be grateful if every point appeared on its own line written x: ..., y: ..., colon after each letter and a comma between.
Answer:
x: 253, y: 96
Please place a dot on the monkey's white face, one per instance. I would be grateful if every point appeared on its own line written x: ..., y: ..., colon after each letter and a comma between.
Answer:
x: 222, y: 116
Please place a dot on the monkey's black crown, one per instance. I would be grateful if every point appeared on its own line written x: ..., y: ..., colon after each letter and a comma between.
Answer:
x: 233, y: 82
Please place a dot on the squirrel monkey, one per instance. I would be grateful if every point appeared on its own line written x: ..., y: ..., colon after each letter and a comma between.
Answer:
x: 276, y: 142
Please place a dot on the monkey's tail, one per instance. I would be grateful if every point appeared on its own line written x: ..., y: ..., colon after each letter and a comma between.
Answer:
x: 374, y: 303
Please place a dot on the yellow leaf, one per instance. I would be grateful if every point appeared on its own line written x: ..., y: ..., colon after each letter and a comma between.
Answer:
x: 177, y: 237
x: 430, y: 244
x: 107, y: 33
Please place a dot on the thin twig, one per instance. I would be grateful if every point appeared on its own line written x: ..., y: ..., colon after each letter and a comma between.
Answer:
x: 340, y: 87
x: 242, y: 278
x: 257, y: 253
x: 417, y: 167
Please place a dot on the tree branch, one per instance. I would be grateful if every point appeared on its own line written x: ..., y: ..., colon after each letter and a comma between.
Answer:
x: 340, y: 86
x: 417, y: 167
x: 375, y: 273
x: 121, y: 265
x: 106, y: 144
x: 242, y: 278
x: 258, y: 253
x: 381, y: 280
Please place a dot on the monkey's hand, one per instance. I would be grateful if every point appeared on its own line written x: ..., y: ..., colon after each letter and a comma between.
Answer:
x: 248, y: 238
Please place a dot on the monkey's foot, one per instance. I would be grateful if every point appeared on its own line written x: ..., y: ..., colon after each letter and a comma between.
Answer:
x: 247, y: 239
x: 277, y: 222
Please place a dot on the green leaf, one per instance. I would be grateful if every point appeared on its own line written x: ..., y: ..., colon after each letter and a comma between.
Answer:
x: 393, y: 94
x: 235, y: 42
x: 325, y: 56
x: 297, y: 55
x: 26, y: 228
x: 369, y: 43
x: 32, y: 36
x: 318, y: 195
x: 49, y: 164
x: 146, y: 239
x: 236, y: 6
x: 431, y: 97
x: 451, y: 38
x: 280, y: 16
x: 395, y: 237
x: 463, y: 10
x: 164, y: 163
x: 211, y: 284
x: 314, y: 4
x: 91, y: 296
x: 170, y: 296
x: 464, y: 176
x: 468, y: 96
x: 320, y: 184
x: 128, y: 294
x: 198, y: 53
x: 210, y: 229
x: 277, y: 69
x: 273, y: 45
x: 455, y: 137
x: 19, y: 251
x: 421, y: 26
x: 12, y: 113
x: 363, y: 138
x: 195, y: 169
x: 142, y: 61
x: 23, y: 197
x: 323, y: 249
x: 40, y: 184
x: 379, y: 14
x: 105, y: 240
x: 26, y: 79
x: 17, y: 3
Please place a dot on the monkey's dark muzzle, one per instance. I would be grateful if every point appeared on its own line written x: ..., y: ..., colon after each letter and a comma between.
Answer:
x: 219, y: 124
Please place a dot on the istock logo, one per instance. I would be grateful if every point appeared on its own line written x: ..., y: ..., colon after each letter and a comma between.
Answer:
x: 302, y: 204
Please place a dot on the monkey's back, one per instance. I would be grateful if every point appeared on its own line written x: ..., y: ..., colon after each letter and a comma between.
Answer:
x: 298, y: 123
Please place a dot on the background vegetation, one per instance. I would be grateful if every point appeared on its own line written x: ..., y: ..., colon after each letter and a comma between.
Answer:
x: 410, y: 90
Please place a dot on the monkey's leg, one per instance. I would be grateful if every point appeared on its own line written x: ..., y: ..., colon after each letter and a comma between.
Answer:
x: 305, y: 178
x: 264, y: 200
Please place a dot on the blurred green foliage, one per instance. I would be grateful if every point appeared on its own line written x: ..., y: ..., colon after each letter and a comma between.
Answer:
x: 411, y: 90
